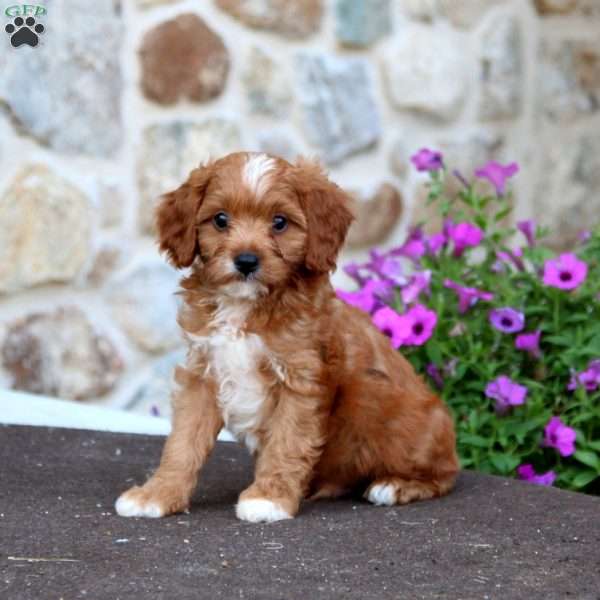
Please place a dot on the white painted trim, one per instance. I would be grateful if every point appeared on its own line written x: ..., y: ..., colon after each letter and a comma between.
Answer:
x: 17, y: 408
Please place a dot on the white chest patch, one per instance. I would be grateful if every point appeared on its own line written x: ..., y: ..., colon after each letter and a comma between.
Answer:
x: 233, y: 360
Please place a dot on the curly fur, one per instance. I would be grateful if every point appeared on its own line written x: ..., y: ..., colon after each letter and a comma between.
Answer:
x: 307, y: 382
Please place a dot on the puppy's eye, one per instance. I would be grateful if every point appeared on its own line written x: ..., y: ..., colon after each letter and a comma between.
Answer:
x: 221, y: 221
x: 280, y: 223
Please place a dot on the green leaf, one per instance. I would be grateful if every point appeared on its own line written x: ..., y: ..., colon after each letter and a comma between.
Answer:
x: 505, y: 463
x: 559, y: 340
x: 521, y: 429
x: 503, y: 213
x: 588, y: 458
x: 474, y: 440
x: 434, y: 353
x: 583, y: 478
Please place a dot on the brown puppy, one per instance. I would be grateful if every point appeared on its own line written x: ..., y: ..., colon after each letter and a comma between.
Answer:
x: 306, y: 382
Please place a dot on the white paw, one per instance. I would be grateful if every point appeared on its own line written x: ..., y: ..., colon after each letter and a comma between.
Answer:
x: 382, y: 494
x: 129, y: 507
x: 260, y: 510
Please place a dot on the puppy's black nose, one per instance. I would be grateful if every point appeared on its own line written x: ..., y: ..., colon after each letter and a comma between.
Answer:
x: 246, y: 263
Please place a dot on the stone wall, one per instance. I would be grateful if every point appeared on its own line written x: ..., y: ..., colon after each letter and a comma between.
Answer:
x: 121, y: 99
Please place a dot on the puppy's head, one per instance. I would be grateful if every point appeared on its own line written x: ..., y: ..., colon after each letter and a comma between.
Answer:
x: 253, y: 221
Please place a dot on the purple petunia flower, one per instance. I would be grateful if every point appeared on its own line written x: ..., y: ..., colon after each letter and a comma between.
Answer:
x: 462, y: 179
x: 427, y: 160
x: 435, y: 374
x: 527, y: 228
x: 436, y: 242
x: 464, y: 235
x: 529, y: 342
x: 369, y: 297
x: 423, y: 324
x: 506, y: 393
x: 526, y: 472
x: 589, y: 379
x: 512, y: 256
x: 498, y: 266
x: 414, y: 247
x: 418, y: 284
x: 385, y: 267
x: 450, y: 367
x: 397, y: 327
x: 467, y: 296
x: 584, y: 236
x: 566, y: 272
x: 507, y: 320
x: 497, y: 174
x: 354, y: 270
x: 560, y: 436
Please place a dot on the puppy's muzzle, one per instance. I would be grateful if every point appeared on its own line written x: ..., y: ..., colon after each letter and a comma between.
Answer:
x: 246, y: 263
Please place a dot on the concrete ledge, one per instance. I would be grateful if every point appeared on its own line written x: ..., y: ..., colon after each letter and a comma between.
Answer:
x: 492, y: 538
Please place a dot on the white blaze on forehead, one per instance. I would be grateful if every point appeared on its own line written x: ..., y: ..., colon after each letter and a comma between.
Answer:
x: 255, y: 172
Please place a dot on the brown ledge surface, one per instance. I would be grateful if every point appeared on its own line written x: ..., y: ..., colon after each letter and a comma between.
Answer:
x: 492, y: 538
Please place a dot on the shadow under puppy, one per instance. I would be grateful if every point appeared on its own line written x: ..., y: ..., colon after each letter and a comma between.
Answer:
x: 306, y: 382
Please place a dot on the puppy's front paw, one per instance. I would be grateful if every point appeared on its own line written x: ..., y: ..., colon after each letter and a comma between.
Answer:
x: 260, y: 510
x: 149, y: 501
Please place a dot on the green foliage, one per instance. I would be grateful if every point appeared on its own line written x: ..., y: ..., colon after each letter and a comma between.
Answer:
x: 470, y: 352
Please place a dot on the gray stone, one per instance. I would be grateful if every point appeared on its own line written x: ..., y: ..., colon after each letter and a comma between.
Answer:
x: 111, y: 201
x: 169, y: 151
x: 422, y: 10
x: 60, y: 354
x: 568, y: 79
x: 107, y: 259
x: 377, y: 214
x: 464, y: 14
x: 426, y: 72
x: 567, y: 196
x: 153, y: 3
x: 144, y: 305
x: 588, y: 8
x: 297, y: 19
x: 360, y: 23
x: 267, y: 89
x: 469, y: 151
x: 339, y: 114
x: 153, y: 395
x: 501, y: 70
x: 45, y: 227
x: 399, y: 158
x: 277, y: 143
x: 66, y: 92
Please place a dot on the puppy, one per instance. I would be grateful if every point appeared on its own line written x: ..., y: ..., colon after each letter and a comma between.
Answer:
x: 307, y: 383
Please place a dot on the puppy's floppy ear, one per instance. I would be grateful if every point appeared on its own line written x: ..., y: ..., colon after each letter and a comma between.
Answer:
x: 176, y: 218
x: 328, y: 215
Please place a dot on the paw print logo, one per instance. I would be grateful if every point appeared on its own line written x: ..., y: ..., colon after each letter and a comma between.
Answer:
x: 24, y: 31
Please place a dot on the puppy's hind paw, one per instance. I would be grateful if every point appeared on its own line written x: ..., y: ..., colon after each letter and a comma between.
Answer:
x: 395, y: 490
x: 382, y: 494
